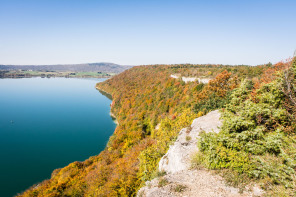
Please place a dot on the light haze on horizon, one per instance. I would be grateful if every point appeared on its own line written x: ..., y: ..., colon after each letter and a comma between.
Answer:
x: 132, y: 32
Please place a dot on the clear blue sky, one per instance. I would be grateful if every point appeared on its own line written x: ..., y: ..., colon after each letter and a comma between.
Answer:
x: 135, y: 32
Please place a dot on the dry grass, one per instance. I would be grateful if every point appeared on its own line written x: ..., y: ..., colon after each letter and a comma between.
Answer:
x: 162, y: 182
x: 180, y: 188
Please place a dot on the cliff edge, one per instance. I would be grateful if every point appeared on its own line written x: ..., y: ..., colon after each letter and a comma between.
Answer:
x: 180, y: 179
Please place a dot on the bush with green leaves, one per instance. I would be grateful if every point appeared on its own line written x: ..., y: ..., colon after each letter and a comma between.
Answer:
x: 254, y: 139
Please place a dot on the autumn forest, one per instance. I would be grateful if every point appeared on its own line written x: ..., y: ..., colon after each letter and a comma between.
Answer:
x: 257, y: 141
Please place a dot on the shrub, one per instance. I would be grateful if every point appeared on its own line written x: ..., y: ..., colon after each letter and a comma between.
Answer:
x: 162, y: 182
x: 253, y: 140
x: 188, y: 138
x: 180, y: 188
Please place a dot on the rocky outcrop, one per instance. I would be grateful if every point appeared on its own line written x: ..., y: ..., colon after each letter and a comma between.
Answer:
x: 179, y: 155
x: 191, y: 79
x: 180, y: 180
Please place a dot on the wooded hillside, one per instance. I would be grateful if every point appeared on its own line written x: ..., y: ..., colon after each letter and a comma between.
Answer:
x: 151, y: 108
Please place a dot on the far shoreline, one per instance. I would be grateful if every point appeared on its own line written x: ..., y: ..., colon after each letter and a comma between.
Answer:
x: 36, y: 76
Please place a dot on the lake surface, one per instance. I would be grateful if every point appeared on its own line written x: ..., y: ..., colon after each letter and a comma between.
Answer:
x: 46, y: 124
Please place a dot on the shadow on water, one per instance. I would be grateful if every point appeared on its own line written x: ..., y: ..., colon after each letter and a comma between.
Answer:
x: 109, y: 96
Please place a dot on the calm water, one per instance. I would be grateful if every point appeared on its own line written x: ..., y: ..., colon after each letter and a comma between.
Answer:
x: 46, y: 124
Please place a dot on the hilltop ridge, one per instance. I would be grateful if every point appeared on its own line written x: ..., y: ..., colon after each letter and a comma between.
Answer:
x: 86, y: 67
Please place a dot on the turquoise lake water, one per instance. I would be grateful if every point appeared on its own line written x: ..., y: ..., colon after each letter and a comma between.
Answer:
x: 46, y: 124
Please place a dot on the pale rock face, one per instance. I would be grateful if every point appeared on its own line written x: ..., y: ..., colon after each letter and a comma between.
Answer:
x: 179, y: 155
x: 175, y: 76
x: 191, y: 79
x: 204, y: 80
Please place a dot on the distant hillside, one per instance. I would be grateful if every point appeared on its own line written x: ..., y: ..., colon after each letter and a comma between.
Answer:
x: 87, y: 67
